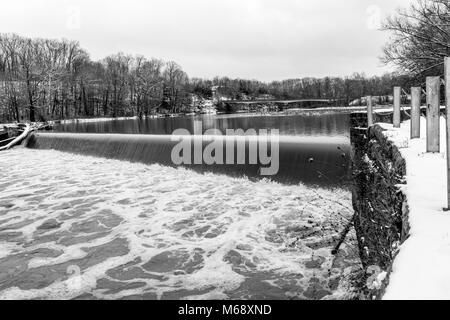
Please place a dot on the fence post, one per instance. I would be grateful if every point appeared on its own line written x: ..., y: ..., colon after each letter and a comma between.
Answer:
x: 369, y: 111
x: 397, y: 115
x: 447, y: 111
x: 416, y: 99
x: 433, y: 113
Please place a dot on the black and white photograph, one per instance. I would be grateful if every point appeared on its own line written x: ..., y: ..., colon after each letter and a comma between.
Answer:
x: 235, y: 151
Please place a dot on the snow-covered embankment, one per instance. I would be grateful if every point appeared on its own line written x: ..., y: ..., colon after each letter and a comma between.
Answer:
x: 421, y: 270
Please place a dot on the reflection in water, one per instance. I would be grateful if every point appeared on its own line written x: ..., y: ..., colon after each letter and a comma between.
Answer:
x: 315, y: 124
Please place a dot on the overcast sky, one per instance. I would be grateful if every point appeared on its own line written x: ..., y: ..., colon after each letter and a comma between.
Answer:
x: 257, y: 39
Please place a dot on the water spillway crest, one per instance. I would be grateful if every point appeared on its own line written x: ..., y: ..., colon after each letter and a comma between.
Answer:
x: 311, y: 160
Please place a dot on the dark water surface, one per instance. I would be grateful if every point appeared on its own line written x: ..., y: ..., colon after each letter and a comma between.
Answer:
x: 314, y: 124
x: 314, y: 147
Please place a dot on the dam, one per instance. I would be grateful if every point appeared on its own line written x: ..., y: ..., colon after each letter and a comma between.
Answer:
x: 314, y: 160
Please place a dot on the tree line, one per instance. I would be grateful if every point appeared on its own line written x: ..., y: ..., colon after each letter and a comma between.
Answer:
x: 47, y: 79
x: 43, y: 79
x: 343, y: 89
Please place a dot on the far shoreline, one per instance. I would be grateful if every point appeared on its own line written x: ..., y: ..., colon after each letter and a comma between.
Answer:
x: 287, y: 112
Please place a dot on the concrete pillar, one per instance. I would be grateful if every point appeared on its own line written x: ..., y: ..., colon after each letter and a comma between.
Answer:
x: 416, y: 97
x: 433, y: 110
x: 447, y: 111
x: 397, y: 114
x: 369, y: 111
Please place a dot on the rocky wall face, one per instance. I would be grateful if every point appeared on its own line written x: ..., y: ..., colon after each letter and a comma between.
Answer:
x: 380, y: 207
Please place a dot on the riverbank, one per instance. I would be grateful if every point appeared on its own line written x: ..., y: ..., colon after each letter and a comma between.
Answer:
x: 421, y: 268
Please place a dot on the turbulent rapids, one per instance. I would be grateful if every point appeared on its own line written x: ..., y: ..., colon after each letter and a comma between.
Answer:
x: 102, y: 228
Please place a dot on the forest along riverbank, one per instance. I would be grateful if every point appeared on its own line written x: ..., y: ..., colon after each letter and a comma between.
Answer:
x: 101, y: 228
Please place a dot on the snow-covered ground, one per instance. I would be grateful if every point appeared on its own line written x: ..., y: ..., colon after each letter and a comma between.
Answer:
x: 346, y: 108
x: 96, y: 119
x: 422, y: 268
x: 73, y: 226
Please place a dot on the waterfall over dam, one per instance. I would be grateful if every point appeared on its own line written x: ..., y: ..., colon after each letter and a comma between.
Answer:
x: 310, y: 160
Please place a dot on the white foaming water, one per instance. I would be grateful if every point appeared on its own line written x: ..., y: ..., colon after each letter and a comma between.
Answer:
x: 139, y: 231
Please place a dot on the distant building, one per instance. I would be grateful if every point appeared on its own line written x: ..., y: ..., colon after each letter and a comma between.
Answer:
x: 218, y: 94
x: 201, y: 105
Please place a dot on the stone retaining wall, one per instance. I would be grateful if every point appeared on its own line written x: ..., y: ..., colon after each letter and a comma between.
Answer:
x: 381, y: 209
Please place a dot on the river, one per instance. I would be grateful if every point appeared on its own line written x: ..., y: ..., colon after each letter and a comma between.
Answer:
x: 77, y: 226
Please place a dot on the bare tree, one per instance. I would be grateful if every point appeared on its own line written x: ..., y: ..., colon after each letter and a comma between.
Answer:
x: 117, y: 74
x: 421, y: 37
x: 148, y: 82
x: 175, y: 80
